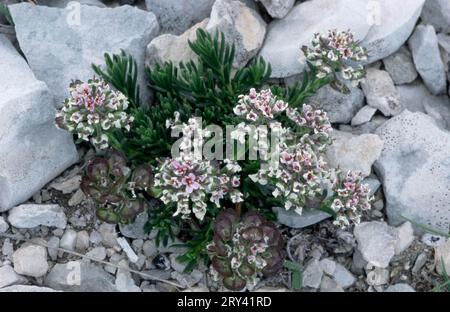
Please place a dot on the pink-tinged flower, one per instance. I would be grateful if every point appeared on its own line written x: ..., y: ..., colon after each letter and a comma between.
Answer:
x: 252, y: 116
x: 190, y: 183
x: 235, y: 182
x: 296, y: 166
x: 286, y: 157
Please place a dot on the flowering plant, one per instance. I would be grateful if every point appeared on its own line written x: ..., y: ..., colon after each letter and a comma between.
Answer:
x: 92, y: 111
x: 336, y: 52
x: 244, y: 250
x: 351, y: 198
x: 189, y: 180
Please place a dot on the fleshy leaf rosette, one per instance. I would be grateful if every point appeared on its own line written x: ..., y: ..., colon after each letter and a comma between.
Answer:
x: 92, y: 111
x: 115, y: 188
x: 337, y: 52
x: 245, y: 249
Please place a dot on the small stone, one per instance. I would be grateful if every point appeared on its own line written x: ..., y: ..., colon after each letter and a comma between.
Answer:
x: 53, y: 243
x: 149, y: 249
x: 4, y: 226
x: 376, y: 241
x: 400, y: 288
x: 328, y: 266
x: 137, y: 244
x: 358, y: 263
x: 427, y: 58
x: 401, y: 67
x: 123, y: 243
x: 82, y: 242
x: 95, y: 238
x: 175, y: 16
x: 381, y: 93
x: 294, y: 220
x: 233, y: 18
x: 109, y: 234
x: 75, y: 276
x: 442, y: 257
x: 31, y: 261
x: 422, y: 258
x: 373, y: 183
x: 330, y: 285
x: 364, y: 115
x: 135, y: 229
x: 69, y: 240
x: 378, y: 277
x: 98, y: 253
x: 188, y: 280
x: 437, y: 13
x: 277, y: 8
x: 340, y: 107
x: 343, y: 277
x: 76, y: 198
x: 356, y: 153
x: 9, y: 277
x: 124, y: 281
x: 312, y: 275
x: 405, y: 234
x: 7, y: 248
x: 30, y: 216
x: 67, y: 186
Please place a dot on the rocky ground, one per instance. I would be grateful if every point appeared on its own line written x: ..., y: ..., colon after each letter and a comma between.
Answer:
x: 394, y: 128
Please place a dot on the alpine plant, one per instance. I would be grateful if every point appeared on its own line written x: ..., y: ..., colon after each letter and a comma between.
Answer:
x: 296, y: 171
x: 336, y: 54
x: 189, y: 181
x: 92, y: 111
x: 245, y: 249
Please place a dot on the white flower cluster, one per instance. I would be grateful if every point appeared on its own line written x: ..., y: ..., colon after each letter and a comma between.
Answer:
x: 336, y: 51
x: 188, y: 180
x: 351, y: 197
x: 299, y: 175
x: 92, y: 110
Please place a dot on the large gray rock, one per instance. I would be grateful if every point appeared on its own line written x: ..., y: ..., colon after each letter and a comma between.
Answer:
x: 285, y: 37
x: 277, y: 8
x: 442, y: 257
x: 376, y: 242
x: 60, y: 49
x: 364, y: 115
x: 393, y: 23
x: 31, y: 216
x: 384, y: 25
x: 26, y: 288
x: 380, y: 92
x: 294, y: 220
x: 437, y: 13
x: 9, y: 277
x: 76, y: 276
x: 31, y: 260
x: 64, y: 3
x: 172, y: 48
x: 352, y: 152
x: 427, y: 58
x: 241, y: 25
x: 400, y: 288
x: 340, y: 107
x: 401, y: 67
x: 413, y: 167
x: 413, y: 95
x: 32, y: 150
x: 176, y: 16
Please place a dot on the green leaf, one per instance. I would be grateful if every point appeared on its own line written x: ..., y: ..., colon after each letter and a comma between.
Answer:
x: 121, y: 72
x: 4, y: 10
x: 296, y: 277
